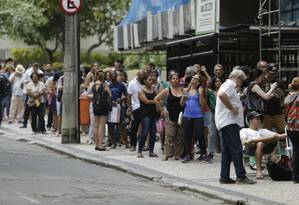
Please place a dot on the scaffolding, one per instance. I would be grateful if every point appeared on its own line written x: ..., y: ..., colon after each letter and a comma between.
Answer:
x: 270, y: 30
x: 278, y: 40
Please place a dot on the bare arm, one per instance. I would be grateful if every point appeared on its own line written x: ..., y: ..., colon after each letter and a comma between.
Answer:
x: 202, y: 97
x: 266, y: 96
x: 268, y: 139
x: 143, y: 98
x: 158, y: 99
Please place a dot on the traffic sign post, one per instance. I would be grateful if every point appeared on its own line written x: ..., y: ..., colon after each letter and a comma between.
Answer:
x: 71, y: 120
x: 71, y: 7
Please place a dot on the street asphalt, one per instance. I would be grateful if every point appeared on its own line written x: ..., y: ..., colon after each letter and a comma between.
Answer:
x: 30, y: 174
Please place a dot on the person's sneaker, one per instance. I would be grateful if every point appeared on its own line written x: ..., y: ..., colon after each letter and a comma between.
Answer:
x: 245, y: 180
x: 152, y: 155
x: 133, y: 149
x: 140, y: 155
x: 186, y: 159
x: 226, y: 181
x: 200, y: 158
x: 24, y: 126
x: 208, y: 158
x: 113, y: 146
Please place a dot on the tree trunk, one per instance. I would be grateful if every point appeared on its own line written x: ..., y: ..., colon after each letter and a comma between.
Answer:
x: 90, y: 49
x: 50, y: 54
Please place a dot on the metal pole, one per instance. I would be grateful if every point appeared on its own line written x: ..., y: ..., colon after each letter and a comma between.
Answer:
x: 279, y: 39
x: 77, y: 71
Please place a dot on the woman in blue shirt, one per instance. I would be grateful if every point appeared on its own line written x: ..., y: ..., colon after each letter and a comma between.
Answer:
x: 193, y: 118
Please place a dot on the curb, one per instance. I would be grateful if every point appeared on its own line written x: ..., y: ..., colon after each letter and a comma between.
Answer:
x: 224, y: 195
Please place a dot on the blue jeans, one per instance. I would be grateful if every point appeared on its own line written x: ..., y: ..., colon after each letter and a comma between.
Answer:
x: 6, y: 101
x: 212, y: 138
x: 231, y: 151
x: 148, y: 126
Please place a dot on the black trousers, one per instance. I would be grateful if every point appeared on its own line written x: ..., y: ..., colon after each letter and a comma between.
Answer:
x: 193, y: 127
x: 26, y: 112
x: 134, y: 127
x: 231, y: 151
x: 294, y: 136
x: 50, y: 118
x: 38, y: 121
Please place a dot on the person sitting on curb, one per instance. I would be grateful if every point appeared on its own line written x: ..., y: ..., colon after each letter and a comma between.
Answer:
x: 258, y: 142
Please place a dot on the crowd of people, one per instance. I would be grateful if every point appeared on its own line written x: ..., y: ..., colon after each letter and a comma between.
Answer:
x: 189, y: 114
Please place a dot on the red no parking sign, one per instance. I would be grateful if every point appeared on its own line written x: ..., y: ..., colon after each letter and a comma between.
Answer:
x: 71, y: 7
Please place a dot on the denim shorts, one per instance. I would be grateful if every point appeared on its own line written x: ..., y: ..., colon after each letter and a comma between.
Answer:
x: 207, y: 118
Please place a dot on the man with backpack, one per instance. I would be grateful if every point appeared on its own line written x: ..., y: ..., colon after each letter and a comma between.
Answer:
x: 4, y: 91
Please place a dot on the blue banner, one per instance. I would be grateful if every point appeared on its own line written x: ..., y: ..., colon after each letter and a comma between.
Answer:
x: 139, y: 8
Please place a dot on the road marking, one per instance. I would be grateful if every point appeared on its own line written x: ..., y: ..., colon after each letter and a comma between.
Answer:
x: 32, y: 200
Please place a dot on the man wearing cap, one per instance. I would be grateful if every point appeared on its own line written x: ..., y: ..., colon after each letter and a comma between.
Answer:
x: 273, y: 108
x: 17, y: 104
x: 258, y: 142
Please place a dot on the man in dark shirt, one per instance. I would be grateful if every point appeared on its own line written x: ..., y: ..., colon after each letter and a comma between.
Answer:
x: 274, y: 113
x: 119, y: 94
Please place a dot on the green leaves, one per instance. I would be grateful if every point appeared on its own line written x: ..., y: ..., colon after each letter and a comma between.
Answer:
x: 36, y: 22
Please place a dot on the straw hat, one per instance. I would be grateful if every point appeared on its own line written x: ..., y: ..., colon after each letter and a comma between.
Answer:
x: 20, y: 69
x: 295, y: 83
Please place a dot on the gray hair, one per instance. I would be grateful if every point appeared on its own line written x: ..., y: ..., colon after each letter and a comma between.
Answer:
x: 237, y: 74
x: 191, y: 71
x: 218, y: 66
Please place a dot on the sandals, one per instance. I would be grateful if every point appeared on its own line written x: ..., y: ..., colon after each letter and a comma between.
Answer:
x: 259, y: 177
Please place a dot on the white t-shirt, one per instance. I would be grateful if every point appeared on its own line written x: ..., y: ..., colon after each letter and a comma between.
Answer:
x: 35, y: 88
x: 133, y: 89
x: 26, y: 79
x: 16, y: 84
x: 223, y: 116
x: 247, y: 134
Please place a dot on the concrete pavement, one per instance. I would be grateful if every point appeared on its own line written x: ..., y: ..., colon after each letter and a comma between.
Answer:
x: 195, y: 176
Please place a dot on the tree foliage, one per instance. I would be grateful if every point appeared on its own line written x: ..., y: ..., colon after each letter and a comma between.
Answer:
x: 37, y: 22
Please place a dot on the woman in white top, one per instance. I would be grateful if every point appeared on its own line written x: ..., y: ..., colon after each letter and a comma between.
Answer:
x: 36, y: 92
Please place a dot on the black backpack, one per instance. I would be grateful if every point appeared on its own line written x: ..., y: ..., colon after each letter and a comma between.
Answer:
x: 252, y: 101
x: 101, y: 99
x: 4, y: 85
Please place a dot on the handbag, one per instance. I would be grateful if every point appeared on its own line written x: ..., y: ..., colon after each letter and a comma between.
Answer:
x: 114, y: 115
x: 180, y: 119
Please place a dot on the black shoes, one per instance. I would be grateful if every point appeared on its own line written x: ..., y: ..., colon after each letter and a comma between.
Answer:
x: 24, y: 126
x: 245, y: 180
x: 227, y: 181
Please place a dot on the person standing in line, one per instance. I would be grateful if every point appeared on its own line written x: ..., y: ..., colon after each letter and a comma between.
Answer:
x: 100, y: 94
x: 25, y: 81
x: 59, y: 92
x: 193, y: 124
x: 133, y: 102
x: 174, y: 142
x: 292, y: 113
x: 6, y: 103
x: 4, y: 90
x: 119, y: 94
x: 148, y: 114
x: 213, y: 133
x: 17, y: 105
x: 229, y: 118
x: 36, y: 92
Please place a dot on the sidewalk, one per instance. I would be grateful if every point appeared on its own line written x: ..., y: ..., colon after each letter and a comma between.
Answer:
x: 199, y: 177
